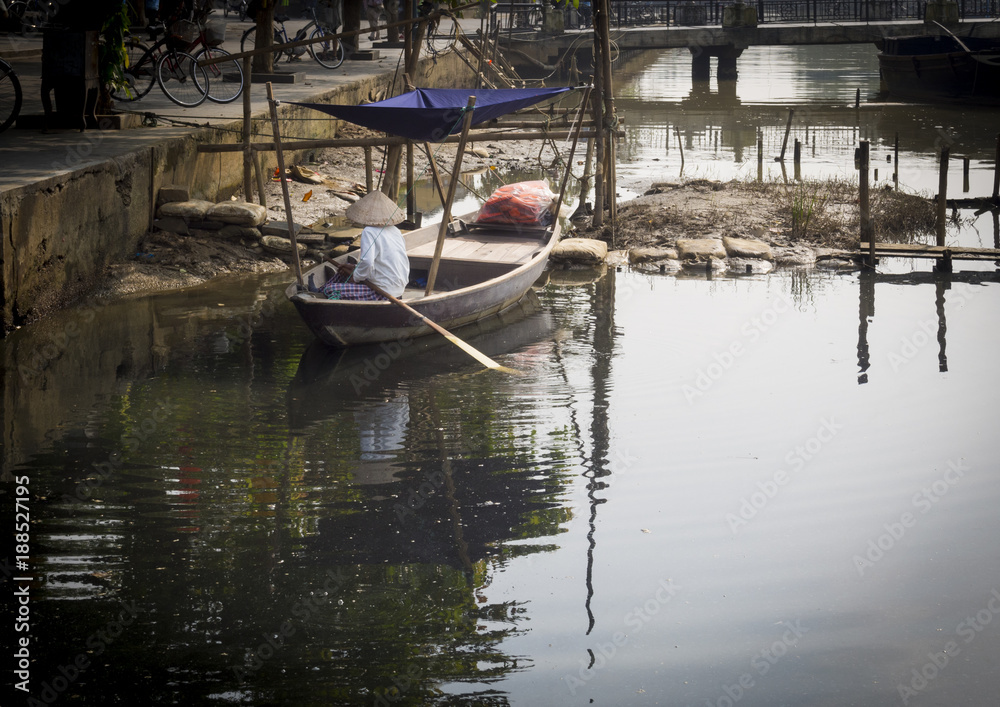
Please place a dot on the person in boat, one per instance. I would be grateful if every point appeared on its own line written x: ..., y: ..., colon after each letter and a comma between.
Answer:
x: 382, y: 261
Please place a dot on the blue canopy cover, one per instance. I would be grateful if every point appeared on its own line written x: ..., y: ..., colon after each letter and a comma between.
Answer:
x: 431, y: 114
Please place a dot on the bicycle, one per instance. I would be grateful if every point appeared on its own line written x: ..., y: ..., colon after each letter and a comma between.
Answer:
x: 328, y: 54
x: 441, y: 35
x: 10, y: 95
x: 221, y: 83
x: 32, y: 15
x: 237, y: 7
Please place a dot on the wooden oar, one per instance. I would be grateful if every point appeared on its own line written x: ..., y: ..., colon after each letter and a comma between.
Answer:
x: 467, y: 348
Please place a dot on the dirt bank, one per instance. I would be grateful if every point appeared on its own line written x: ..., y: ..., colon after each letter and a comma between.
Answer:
x: 799, y: 221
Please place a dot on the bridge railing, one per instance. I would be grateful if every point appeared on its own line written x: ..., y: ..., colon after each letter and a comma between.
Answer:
x: 628, y: 13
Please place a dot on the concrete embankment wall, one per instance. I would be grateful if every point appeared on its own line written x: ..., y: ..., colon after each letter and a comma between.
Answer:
x: 57, y: 234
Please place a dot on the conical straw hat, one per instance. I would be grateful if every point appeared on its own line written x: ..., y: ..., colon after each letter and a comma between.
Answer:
x: 374, y: 209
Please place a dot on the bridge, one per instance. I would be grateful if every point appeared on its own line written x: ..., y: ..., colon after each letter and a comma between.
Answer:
x: 722, y: 29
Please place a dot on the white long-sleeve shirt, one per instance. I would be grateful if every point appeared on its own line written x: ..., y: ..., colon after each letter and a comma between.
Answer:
x: 383, y: 259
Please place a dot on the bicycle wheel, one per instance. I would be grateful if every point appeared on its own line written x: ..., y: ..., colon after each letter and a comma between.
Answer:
x: 329, y: 53
x: 441, y: 36
x: 249, y: 42
x: 225, y: 78
x: 175, y: 72
x: 140, y: 73
x: 10, y: 96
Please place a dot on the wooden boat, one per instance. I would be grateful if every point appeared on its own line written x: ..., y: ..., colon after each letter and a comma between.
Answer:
x: 484, y: 270
x: 936, y: 68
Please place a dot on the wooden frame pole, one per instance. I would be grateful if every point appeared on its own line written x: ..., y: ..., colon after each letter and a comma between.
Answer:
x: 284, y: 185
x: 247, y: 151
x: 450, y: 199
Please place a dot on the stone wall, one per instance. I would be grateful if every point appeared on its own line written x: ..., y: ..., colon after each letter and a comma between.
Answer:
x: 58, y: 234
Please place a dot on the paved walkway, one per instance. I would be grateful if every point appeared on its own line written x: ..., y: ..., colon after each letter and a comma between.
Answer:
x: 28, y: 156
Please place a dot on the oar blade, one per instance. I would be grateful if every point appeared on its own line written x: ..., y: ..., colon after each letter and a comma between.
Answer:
x: 480, y: 356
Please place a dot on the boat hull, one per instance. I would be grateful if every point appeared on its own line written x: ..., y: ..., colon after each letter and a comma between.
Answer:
x: 344, y: 323
x: 910, y: 70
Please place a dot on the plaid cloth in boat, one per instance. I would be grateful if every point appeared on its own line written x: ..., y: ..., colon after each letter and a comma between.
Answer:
x: 340, y: 286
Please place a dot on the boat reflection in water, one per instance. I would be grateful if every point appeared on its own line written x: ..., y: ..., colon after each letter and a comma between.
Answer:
x: 943, y: 67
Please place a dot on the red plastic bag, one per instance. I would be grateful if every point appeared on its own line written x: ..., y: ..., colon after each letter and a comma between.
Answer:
x: 522, y: 203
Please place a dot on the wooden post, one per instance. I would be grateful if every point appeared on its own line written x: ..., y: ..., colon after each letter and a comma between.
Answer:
x: 865, y: 206
x: 369, y: 171
x: 450, y: 199
x: 760, y: 156
x: 247, y: 152
x: 942, y: 199
x: 965, y: 174
x: 996, y: 172
x: 680, y: 146
x: 609, y: 110
x: 857, y: 98
x: 599, y: 181
x: 797, y: 159
x: 259, y: 174
x: 284, y: 185
x: 895, y: 164
x: 788, y: 129
x: 411, y: 196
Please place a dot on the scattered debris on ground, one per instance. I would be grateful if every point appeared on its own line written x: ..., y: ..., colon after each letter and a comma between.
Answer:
x: 749, y: 224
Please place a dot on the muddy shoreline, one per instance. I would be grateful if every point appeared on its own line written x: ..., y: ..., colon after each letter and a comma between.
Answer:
x: 801, y: 222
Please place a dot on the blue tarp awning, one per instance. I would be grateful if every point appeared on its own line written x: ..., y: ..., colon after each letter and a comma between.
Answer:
x: 431, y: 114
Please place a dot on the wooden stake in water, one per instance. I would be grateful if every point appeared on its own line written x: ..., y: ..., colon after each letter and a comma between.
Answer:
x: 680, y: 146
x: 965, y: 174
x: 797, y: 159
x: 788, y: 129
x: 895, y: 164
x: 996, y: 172
x: 760, y: 156
x: 865, y: 207
x: 942, y: 199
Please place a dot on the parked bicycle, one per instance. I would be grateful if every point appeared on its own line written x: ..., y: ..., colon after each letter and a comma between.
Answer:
x: 32, y: 15
x: 329, y: 53
x: 10, y: 95
x: 237, y: 7
x: 166, y: 60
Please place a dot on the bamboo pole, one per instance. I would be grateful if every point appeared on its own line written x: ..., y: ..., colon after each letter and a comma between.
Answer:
x: 259, y: 174
x: 450, y: 199
x: 942, y: 200
x: 598, y: 100
x: 788, y: 129
x: 411, y: 197
x: 572, y: 150
x: 609, y: 113
x: 965, y: 174
x: 247, y: 126
x: 680, y: 146
x: 284, y: 185
x: 394, y: 140
x: 435, y: 173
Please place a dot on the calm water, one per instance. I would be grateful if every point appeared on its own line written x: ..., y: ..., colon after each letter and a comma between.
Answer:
x: 775, y: 490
